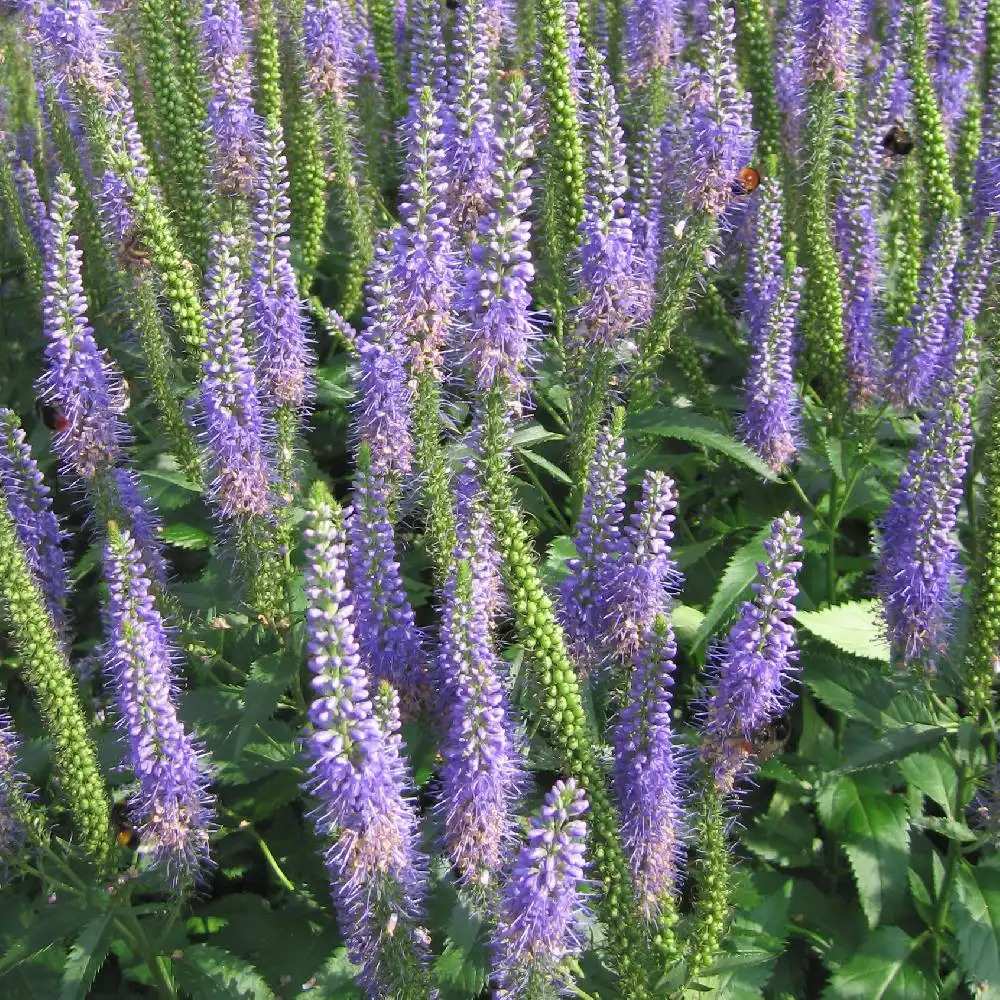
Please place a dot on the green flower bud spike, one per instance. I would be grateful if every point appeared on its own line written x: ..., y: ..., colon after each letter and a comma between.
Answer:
x: 755, y: 34
x: 268, y: 62
x: 713, y: 878
x: 560, y: 703
x: 13, y: 210
x: 905, y: 235
x: 383, y: 18
x: 46, y: 669
x: 970, y: 135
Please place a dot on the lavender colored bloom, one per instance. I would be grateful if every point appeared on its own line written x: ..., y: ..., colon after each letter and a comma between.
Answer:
x: 277, y: 312
x: 424, y: 254
x: 480, y: 772
x: 653, y: 38
x: 789, y: 84
x: 235, y: 431
x: 646, y: 772
x: 753, y: 665
x: 584, y: 597
x: 956, y: 59
x: 231, y: 117
x: 495, y: 294
x: 770, y: 422
x: 918, y: 565
x: 859, y: 241
x: 428, y: 62
x: 75, y: 43
x: 127, y: 502
x: 477, y: 542
x: 542, y: 911
x: 79, y: 382
x: 31, y: 201
x: 717, y: 126
x: 390, y: 642
x: 13, y: 793
x: 918, y: 344
x: 829, y: 32
x: 574, y: 49
x: 172, y: 807
x: 127, y: 158
x: 328, y: 50
x: 610, y: 290
x: 470, y: 138
x: 987, y: 186
x: 384, y: 394
x: 30, y: 504
x: 649, y: 179
x: 357, y: 773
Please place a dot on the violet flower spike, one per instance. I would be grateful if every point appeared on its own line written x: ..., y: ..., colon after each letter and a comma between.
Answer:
x: 917, y: 349
x: 770, y: 421
x: 480, y: 773
x: 277, y: 312
x: 647, y: 772
x: 29, y: 501
x: 234, y: 429
x: 357, y: 774
x: 495, y: 295
x: 719, y: 135
x: 382, y: 413
x: 752, y: 667
x: 829, y: 33
x: 956, y: 60
x: 31, y: 201
x: 127, y: 502
x: 477, y: 542
x: 79, y: 383
x: 542, y: 910
x: 649, y: 180
x: 231, y: 118
x: 329, y: 56
x: 653, y: 38
x: 13, y: 793
x: 74, y: 43
x: 172, y: 809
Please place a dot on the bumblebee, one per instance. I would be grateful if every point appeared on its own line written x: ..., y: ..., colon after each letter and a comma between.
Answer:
x: 747, y: 181
x: 133, y: 254
x: 765, y: 742
x: 52, y: 417
x: 897, y: 141
x: 126, y: 834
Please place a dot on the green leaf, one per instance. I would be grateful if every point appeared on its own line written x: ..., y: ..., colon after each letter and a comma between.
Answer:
x: 933, y: 775
x: 976, y: 901
x: 269, y: 679
x: 895, y: 745
x: 187, y: 536
x: 543, y: 463
x: 873, y: 828
x: 86, y: 957
x: 686, y: 622
x: 533, y: 433
x: 335, y: 979
x: 881, y: 969
x: 684, y: 425
x: 852, y: 627
x: 209, y: 973
x: 740, y: 573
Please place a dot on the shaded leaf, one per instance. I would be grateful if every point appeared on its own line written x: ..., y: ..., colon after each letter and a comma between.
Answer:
x: 269, y: 679
x: 976, y: 901
x: 895, y: 745
x: 86, y: 957
x: 543, y: 463
x: 187, y: 536
x: 881, y: 969
x: 853, y: 627
x: 209, y: 973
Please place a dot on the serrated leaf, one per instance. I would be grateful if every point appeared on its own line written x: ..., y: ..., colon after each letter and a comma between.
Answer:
x: 686, y: 622
x: 873, y: 828
x: 976, y: 901
x: 933, y: 775
x: 543, y: 463
x: 269, y: 678
x: 684, y: 425
x: 187, y: 536
x: 881, y: 969
x: 209, y: 973
x: 739, y: 574
x: 172, y: 477
x: 853, y: 627
x: 533, y: 433
x: 895, y: 745
x: 86, y: 957
x: 335, y: 979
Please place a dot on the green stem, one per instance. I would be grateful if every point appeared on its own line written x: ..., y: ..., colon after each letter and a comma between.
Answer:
x: 831, y: 555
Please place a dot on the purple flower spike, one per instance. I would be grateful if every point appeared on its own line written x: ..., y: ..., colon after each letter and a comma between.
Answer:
x: 584, y: 595
x: 384, y: 394
x: 918, y: 566
x: 31, y: 201
x: 328, y: 50
x: 638, y: 586
x: 574, y: 51
x: 235, y: 431
x: 143, y: 523
x: 916, y: 352
x: 470, y: 138
x: 859, y: 240
x: 717, y: 123
x: 75, y: 42
x: 653, y: 38
x: 770, y: 423
x: 480, y: 773
x: 829, y: 33
x: 390, y: 642
x: 956, y: 59
x: 496, y: 295
x: 753, y: 665
x: 542, y: 911
x: 477, y: 542
x: 646, y: 209
x: 277, y: 313
x: 789, y: 72
x: 357, y: 774
x: 987, y: 187
x: 646, y: 772
x: 79, y: 383
x: 424, y: 252
x: 172, y: 808
x: 609, y: 283
x: 231, y: 117
x: 13, y: 792
x: 30, y: 505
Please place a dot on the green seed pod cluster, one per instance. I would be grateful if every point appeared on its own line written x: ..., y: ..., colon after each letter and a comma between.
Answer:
x: 713, y: 878
x: 755, y: 35
x: 267, y: 60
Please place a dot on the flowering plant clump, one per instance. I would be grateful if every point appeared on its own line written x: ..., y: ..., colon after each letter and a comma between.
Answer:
x: 499, y: 499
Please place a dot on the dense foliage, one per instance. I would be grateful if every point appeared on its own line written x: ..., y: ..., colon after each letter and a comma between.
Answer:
x: 499, y: 498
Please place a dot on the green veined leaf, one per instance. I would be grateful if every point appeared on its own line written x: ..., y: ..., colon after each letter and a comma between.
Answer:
x: 853, y: 627
x: 881, y: 969
x: 543, y: 463
x: 686, y: 622
x: 86, y: 957
x: 873, y: 827
x: 684, y: 425
x: 533, y: 434
x: 187, y: 536
x: 269, y: 679
x: 895, y: 745
x: 976, y: 900
x: 209, y: 973
x: 933, y: 775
